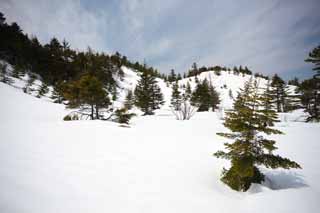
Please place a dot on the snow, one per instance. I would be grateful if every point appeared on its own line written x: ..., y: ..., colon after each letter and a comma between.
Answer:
x: 158, y: 165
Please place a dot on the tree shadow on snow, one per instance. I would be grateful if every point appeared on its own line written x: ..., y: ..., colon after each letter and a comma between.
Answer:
x: 278, y: 180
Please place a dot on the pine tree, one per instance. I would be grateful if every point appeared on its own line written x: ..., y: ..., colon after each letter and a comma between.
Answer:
x: 129, y: 101
x: 123, y: 116
x: 148, y: 96
x: 176, y: 97
x: 314, y: 57
x: 311, y: 87
x: 205, y: 96
x: 156, y: 97
x: 172, y: 77
x: 310, y: 99
x: 57, y: 93
x: 279, y: 92
x: 88, y: 95
x: 188, y: 92
x: 44, y: 89
x: 214, y: 97
x: 248, y: 123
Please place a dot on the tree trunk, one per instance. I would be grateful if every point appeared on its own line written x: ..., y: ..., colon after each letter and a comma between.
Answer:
x: 92, y: 113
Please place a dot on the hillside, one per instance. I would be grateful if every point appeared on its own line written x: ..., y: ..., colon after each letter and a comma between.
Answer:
x: 157, y: 165
x: 224, y: 83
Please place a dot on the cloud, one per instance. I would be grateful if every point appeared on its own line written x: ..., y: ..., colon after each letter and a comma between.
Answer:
x: 269, y: 36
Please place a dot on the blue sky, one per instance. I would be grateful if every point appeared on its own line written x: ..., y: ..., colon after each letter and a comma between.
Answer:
x: 268, y: 36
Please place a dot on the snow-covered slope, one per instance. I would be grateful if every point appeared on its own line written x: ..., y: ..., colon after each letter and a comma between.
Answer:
x: 157, y: 165
x: 224, y: 83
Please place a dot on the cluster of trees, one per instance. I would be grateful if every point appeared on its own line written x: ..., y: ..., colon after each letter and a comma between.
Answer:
x: 194, y: 71
x: 85, y: 80
x: 204, y: 97
x: 253, y: 117
x: 310, y: 88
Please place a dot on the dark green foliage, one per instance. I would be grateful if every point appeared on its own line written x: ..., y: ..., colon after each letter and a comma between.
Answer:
x: 71, y: 117
x: 310, y: 98
x: 294, y: 82
x: 310, y: 88
x: 129, y: 101
x: 172, y: 77
x: 57, y: 93
x: 188, y: 92
x: 148, y: 96
x: 281, y: 98
x: 205, y: 97
x: 314, y: 57
x: 251, y: 119
x: 176, y: 97
x: 57, y: 62
x: 43, y: 90
x: 88, y: 95
x: 123, y: 116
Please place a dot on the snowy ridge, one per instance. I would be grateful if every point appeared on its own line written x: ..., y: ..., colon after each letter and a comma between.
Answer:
x: 225, y: 82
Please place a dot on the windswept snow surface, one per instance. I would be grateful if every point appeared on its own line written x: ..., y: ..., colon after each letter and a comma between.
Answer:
x: 158, y: 165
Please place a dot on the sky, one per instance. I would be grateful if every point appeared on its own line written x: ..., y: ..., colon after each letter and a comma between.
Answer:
x: 268, y: 36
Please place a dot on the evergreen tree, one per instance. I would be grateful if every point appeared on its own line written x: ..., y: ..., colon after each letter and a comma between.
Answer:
x: 176, y: 97
x: 129, y: 101
x: 279, y: 92
x: 156, y: 97
x: 248, y: 123
x: 310, y: 99
x: 57, y: 93
x: 172, y: 77
x: 148, y: 96
x: 89, y: 95
x: 123, y: 116
x: 188, y: 92
x: 314, y: 57
x: 179, y: 77
x: 311, y: 87
x: 205, y: 97
x: 294, y: 82
x: 44, y: 89
x: 214, y: 97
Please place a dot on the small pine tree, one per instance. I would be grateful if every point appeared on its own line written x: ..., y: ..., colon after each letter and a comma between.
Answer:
x: 148, y: 96
x: 129, y: 101
x: 214, y: 97
x: 314, y: 57
x: 205, y: 97
x: 279, y: 92
x: 88, y: 95
x: 123, y: 116
x: 176, y: 97
x: 44, y: 89
x: 248, y: 123
x: 188, y: 92
x: 57, y: 93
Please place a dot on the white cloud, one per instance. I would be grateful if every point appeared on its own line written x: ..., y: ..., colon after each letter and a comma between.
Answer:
x: 268, y: 36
